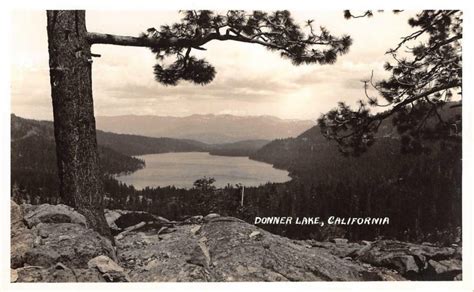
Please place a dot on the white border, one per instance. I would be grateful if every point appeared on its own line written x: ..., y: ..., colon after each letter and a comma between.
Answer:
x: 468, y: 114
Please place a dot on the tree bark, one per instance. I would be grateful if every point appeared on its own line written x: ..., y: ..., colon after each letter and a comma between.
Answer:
x: 74, y: 123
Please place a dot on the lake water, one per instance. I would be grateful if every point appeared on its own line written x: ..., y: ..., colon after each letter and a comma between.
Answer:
x: 183, y: 169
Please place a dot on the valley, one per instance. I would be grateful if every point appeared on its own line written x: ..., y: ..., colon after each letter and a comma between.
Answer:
x: 324, y: 182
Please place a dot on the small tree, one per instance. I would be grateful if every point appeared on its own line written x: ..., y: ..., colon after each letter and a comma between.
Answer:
x: 70, y: 61
x: 205, y: 184
x: 423, y: 80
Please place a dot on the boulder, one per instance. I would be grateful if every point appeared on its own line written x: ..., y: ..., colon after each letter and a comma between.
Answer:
x: 110, y: 270
x: 424, y: 261
x: 381, y: 255
x: 29, y: 274
x: 72, y: 244
x: 195, y: 229
x: 110, y: 217
x: 104, y: 264
x: 437, y: 268
x: 119, y: 220
x: 452, y: 265
x: 20, y: 245
x: 47, y: 213
x: 133, y: 218
x: 255, y: 234
x: 445, y: 269
x: 414, y: 261
x: 194, y: 219
x: 58, y: 273
x: 210, y: 216
x: 339, y: 241
x: 404, y: 264
x: 13, y: 276
x: 22, y: 239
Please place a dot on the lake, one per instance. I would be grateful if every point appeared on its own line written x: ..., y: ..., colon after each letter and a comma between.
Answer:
x: 183, y: 169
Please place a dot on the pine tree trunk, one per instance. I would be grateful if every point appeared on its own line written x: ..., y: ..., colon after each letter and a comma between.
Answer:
x: 74, y: 122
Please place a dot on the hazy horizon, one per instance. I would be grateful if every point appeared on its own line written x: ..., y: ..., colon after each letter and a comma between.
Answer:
x: 172, y: 116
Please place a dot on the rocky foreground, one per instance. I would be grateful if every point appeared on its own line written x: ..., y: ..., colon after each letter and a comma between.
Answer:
x: 51, y: 243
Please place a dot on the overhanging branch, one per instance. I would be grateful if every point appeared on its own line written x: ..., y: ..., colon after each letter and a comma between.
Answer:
x: 276, y: 31
x: 118, y: 40
x: 397, y: 107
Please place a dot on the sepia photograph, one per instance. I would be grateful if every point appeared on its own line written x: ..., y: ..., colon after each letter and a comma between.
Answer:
x: 275, y: 145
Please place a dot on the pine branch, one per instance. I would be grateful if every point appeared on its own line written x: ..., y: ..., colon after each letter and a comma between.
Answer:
x: 275, y: 31
x: 163, y: 43
x: 409, y: 100
x: 119, y: 40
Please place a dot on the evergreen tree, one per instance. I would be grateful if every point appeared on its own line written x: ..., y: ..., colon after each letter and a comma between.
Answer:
x: 70, y: 61
x: 422, y: 81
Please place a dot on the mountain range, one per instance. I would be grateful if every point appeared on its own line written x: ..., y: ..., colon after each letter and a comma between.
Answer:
x: 33, y: 147
x: 210, y: 129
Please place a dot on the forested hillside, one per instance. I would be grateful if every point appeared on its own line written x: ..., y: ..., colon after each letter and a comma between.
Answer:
x: 311, y: 155
x: 140, y: 145
x: 33, y: 148
x: 241, y: 148
x: 420, y: 193
x: 33, y: 159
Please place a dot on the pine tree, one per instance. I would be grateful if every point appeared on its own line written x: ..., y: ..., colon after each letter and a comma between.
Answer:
x: 70, y: 61
x: 422, y: 82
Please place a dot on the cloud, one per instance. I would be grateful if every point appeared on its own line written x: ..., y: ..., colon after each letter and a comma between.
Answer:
x: 250, y: 89
x: 249, y: 80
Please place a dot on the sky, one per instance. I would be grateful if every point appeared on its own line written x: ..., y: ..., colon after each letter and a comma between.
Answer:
x: 250, y: 80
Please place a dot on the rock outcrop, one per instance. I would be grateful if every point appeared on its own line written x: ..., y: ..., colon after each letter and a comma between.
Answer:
x: 46, y: 213
x: 52, y: 244
x: 55, y: 246
x: 228, y: 249
x: 110, y: 270
x: 22, y: 238
x: 122, y: 220
x: 412, y: 261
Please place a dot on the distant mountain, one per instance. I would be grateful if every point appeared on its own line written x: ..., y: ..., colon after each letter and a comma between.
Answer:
x: 310, y: 155
x: 33, y: 149
x: 130, y: 145
x: 210, y: 129
x: 139, y: 145
x: 34, y: 164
